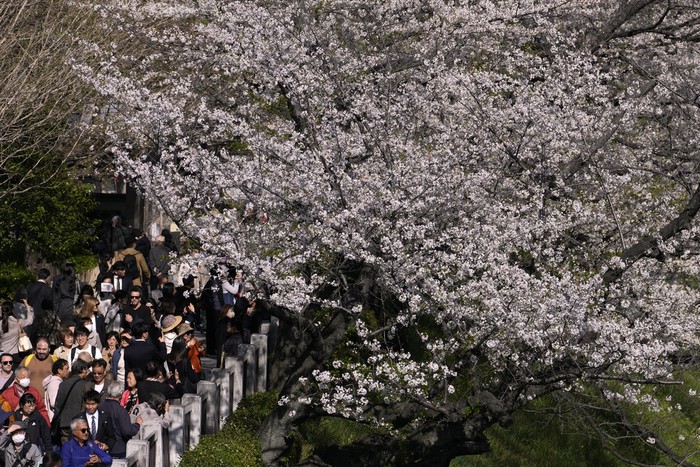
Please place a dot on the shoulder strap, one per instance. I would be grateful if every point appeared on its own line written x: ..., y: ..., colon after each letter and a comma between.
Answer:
x: 72, y: 353
x: 8, y: 383
x: 93, y: 351
x: 57, y: 414
x: 21, y: 456
x: 29, y: 359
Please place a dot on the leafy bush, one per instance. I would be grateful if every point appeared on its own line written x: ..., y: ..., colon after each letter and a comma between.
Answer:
x: 12, y: 277
x: 236, y: 445
x: 225, y: 450
x: 83, y: 262
x: 335, y: 431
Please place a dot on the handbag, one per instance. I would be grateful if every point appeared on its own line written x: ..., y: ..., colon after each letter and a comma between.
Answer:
x: 23, y: 342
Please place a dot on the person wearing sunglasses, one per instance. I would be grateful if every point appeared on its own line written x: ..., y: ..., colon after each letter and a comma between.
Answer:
x: 7, y: 376
x: 80, y: 449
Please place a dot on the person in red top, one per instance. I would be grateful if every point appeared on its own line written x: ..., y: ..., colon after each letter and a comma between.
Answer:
x: 22, y: 386
x: 194, y: 348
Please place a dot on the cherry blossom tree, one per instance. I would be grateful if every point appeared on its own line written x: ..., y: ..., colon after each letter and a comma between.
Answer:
x: 454, y: 208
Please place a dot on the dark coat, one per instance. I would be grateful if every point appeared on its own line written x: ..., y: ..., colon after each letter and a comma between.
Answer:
x: 146, y: 388
x: 123, y: 429
x: 139, y: 353
x: 69, y: 400
x: 64, y: 295
x: 213, y: 295
x: 38, y: 431
x: 140, y: 315
x: 105, y: 428
x: 188, y: 377
x: 101, y: 329
x: 159, y: 259
x: 40, y: 297
x: 127, y: 282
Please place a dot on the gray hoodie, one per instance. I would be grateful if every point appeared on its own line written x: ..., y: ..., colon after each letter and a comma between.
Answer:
x: 51, y: 384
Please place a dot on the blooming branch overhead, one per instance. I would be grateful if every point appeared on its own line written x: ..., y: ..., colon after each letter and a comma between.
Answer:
x: 467, y: 204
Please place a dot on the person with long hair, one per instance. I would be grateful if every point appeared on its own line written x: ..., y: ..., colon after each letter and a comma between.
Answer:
x: 67, y: 341
x: 96, y: 324
x: 112, y: 341
x: 86, y: 291
x: 130, y: 396
x: 180, y: 366
x: 227, y: 313
x: 10, y: 328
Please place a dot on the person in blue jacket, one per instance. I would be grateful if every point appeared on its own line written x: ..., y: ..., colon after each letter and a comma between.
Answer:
x: 80, y: 450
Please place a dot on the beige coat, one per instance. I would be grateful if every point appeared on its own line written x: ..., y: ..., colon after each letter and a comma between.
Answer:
x: 140, y: 262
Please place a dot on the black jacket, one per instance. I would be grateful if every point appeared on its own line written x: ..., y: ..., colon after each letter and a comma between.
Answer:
x: 40, y: 297
x: 123, y: 429
x: 69, y: 400
x: 38, y: 431
x: 105, y: 428
x: 146, y: 388
x: 139, y: 353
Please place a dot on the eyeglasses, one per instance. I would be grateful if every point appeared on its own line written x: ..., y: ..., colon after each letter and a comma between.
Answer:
x: 135, y: 297
x: 7, y: 363
x: 98, y: 374
x: 83, y: 430
x: 30, y: 404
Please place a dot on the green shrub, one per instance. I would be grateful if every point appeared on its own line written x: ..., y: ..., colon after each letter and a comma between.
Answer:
x: 335, y: 431
x: 226, y: 450
x: 12, y: 277
x: 84, y: 261
x: 236, y: 445
x: 251, y: 412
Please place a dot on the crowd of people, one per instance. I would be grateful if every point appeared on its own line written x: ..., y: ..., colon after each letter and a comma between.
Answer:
x: 84, y: 365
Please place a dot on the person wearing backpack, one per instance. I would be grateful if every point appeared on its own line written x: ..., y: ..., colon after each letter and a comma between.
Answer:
x: 135, y: 263
x: 39, y: 363
x: 81, y: 337
x: 18, y: 448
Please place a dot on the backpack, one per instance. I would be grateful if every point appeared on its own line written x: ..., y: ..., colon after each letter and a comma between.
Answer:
x: 132, y: 267
x: 31, y: 355
x: 93, y: 351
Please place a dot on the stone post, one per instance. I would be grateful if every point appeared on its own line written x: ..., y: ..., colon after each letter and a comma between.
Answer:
x: 223, y: 377
x: 260, y: 343
x: 177, y: 430
x: 247, y: 352
x: 235, y: 364
x: 152, y: 432
x: 193, y: 406
x: 209, y: 393
x: 136, y: 453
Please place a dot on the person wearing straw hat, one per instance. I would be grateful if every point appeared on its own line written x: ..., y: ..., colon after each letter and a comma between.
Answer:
x: 168, y: 325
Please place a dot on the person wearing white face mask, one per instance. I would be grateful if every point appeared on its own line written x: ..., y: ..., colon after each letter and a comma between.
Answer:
x: 91, y: 318
x: 21, y: 386
x: 19, y: 450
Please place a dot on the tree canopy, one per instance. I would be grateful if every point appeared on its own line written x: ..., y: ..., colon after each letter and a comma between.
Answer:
x: 43, y: 204
x: 459, y: 207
